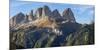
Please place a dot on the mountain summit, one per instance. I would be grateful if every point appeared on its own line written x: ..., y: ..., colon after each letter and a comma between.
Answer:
x: 17, y: 19
x: 46, y: 11
x: 67, y: 16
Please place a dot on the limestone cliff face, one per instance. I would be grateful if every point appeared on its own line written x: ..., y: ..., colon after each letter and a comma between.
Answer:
x: 46, y: 11
x: 38, y: 12
x: 56, y: 14
x: 31, y: 17
x: 68, y: 15
x: 43, y: 12
x: 17, y: 19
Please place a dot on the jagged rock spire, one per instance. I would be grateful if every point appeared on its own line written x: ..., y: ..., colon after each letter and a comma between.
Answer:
x: 38, y: 12
x: 17, y: 19
x: 46, y: 11
x: 31, y: 17
x: 56, y: 14
x: 68, y: 15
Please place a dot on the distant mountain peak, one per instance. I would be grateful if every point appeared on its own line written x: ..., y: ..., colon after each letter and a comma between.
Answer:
x: 56, y: 14
x: 68, y: 15
x: 17, y: 19
x: 46, y: 11
x: 20, y: 13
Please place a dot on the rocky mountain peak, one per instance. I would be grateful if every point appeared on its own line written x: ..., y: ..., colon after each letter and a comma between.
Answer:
x: 46, y: 11
x: 38, y: 12
x: 68, y: 15
x: 31, y: 17
x: 56, y: 13
x: 17, y: 19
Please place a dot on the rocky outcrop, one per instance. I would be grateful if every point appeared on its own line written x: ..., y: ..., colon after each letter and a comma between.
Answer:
x: 26, y: 18
x: 20, y: 18
x: 43, y: 11
x: 30, y: 16
x: 38, y: 12
x: 17, y: 19
x: 68, y: 15
x: 56, y: 14
x: 46, y: 11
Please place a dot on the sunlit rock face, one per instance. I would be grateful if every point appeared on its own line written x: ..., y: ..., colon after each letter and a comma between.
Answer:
x: 43, y: 11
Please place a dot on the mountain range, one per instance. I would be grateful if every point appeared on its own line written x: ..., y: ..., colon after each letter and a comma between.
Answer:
x: 20, y: 18
x: 44, y: 28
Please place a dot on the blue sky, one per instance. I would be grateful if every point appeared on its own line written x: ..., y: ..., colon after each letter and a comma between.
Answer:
x: 83, y: 13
